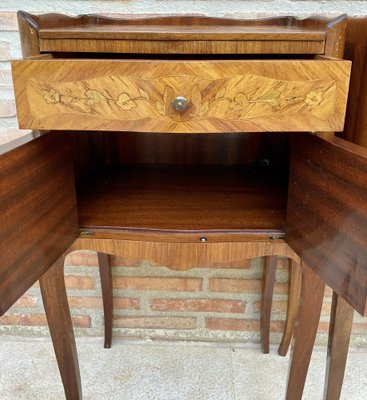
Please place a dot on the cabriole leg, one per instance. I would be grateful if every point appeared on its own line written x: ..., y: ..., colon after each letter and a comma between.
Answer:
x: 295, y: 279
x: 56, y: 305
x: 267, y: 298
x: 312, y: 295
x: 106, y: 284
x: 341, y: 320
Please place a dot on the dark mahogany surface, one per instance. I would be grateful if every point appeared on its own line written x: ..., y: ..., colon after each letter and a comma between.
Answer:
x: 38, y: 216
x: 327, y: 213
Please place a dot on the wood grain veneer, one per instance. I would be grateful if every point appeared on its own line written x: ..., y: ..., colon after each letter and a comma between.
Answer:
x: 192, y: 200
x: 294, y: 284
x: 181, y: 149
x: 312, y: 295
x: 183, y: 32
x: 356, y: 51
x: 183, y: 39
x: 184, y: 256
x: 266, y: 301
x: 181, y: 35
x: 223, y: 96
x: 340, y: 329
x: 53, y: 290
x: 327, y: 214
x: 38, y: 218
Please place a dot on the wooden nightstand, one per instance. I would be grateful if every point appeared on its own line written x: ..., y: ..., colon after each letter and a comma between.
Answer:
x: 156, y: 152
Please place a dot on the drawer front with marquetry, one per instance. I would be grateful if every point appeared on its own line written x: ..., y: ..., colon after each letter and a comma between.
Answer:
x: 182, y: 96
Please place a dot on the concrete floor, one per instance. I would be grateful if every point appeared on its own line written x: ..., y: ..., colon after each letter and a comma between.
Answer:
x: 165, y: 371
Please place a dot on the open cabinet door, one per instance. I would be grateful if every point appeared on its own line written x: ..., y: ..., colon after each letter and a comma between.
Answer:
x: 38, y: 213
x: 327, y: 213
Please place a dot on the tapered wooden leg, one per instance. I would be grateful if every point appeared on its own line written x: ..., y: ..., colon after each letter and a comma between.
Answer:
x: 267, y: 298
x: 295, y: 279
x: 106, y: 284
x: 308, y: 316
x: 341, y: 320
x: 61, y: 329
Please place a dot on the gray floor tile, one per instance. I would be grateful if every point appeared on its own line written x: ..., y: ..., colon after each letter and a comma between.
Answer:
x: 263, y: 376
x: 258, y: 376
x: 126, y: 371
x: 165, y: 371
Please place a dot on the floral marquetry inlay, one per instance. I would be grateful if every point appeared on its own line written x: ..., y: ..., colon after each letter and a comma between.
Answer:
x: 232, y: 98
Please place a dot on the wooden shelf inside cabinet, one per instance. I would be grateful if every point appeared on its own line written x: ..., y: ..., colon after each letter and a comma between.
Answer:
x: 189, y: 200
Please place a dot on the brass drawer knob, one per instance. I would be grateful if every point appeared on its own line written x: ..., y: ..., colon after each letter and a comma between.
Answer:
x: 180, y: 103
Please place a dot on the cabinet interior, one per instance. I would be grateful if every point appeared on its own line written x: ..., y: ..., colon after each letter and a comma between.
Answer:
x: 193, y: 183
x: 227, y: 182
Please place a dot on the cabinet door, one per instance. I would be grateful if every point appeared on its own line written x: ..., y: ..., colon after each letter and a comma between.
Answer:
x: 38, y: 214
x: 327, y: 213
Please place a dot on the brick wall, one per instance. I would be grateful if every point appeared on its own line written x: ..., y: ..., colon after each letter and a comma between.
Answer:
x: 156, y: 302
x: 153, y: 301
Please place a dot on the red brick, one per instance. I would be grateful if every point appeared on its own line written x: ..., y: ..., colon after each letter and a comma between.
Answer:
x: 81, y: 258
x: 198, y: 305
x: 7, y: 108
x: 281, y: 288
x: 24, y: 319
x: 8, y: 21
x: 157, y: 283
x: 326, y: 309
x: 26, y: 301
x: 243, y: 286
x: 277, y: 326
x: 123, y: 303
x: 79, y: 282
x: 281, y: 307
x: 79, y: 321
x: 283, y: 264
x: 126, y: 303
x: 323, y: 327
x: 155, y: 322
x: 235, y: 285
x: 276, y: 306
x: 359, y: 328
x: 232, y: 324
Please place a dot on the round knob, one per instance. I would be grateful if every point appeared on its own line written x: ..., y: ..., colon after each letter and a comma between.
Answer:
x: 180, y: 103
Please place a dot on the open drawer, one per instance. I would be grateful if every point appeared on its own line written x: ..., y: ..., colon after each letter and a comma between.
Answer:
x: 182, y: 96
